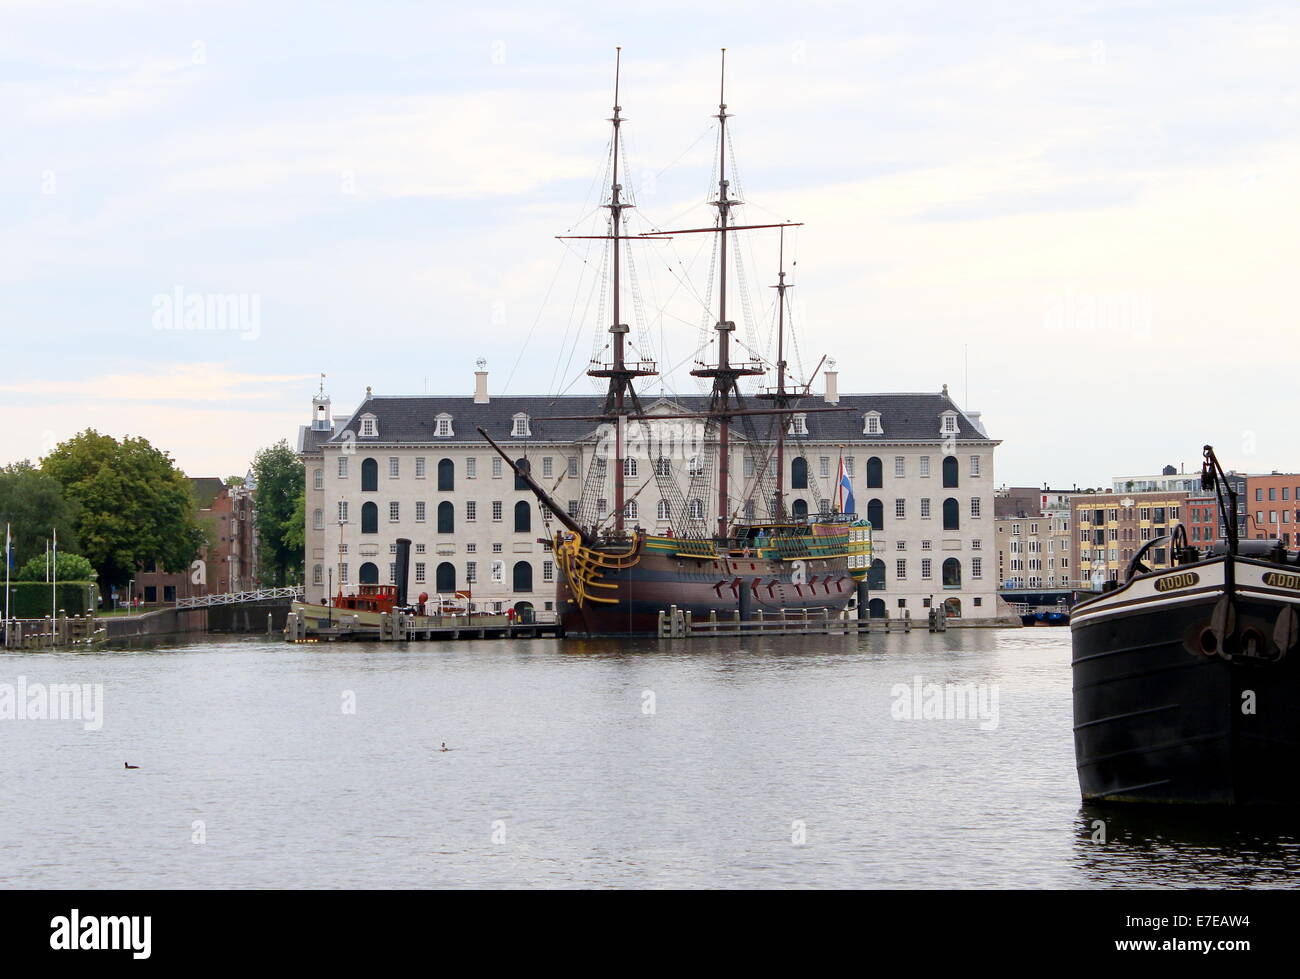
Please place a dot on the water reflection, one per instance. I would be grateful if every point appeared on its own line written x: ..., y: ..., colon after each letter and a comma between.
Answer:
x: 1185, y: 846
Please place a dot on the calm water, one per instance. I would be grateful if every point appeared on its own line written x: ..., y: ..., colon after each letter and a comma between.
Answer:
x: 559, y: 777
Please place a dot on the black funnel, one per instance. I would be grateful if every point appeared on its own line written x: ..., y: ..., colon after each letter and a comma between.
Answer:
x: 403, y: 568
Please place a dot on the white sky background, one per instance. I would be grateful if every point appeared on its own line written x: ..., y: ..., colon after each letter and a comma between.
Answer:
x: 1099, y: 202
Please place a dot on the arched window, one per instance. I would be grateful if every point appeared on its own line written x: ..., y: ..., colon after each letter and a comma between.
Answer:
x: 661, y: 510
x: 523, y: 517
x: 876, y: 608
x: 951, y: 515
x: 952, y: 573
x: 446, y: 517
x: 799, y: 473
x: 519, y: 482
x: 949, y: 470
x: 369, y: 573
x: 876, y: 514
x: 369, y: 518
x: 369, y: 476
x: 446, y: 475
x: 799, y: 509
x: 523, y: 576
x: 875, y: 473
x: 444, y: 581
x: 876, y: 575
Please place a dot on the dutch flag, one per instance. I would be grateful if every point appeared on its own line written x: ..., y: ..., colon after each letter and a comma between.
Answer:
x: 846, y: 491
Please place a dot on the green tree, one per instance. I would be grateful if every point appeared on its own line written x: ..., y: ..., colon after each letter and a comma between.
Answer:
x: 134, y: 507
x: 70, y: 567
x: 295, y: 531
x: 279, y: 479
x: 33, y: 504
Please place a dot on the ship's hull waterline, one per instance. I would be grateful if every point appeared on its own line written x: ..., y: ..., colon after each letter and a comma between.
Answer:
x: 1161, y: 715
x: 626, y: 598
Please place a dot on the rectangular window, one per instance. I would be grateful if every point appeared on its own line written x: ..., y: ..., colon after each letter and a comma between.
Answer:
x: 548, y: 467
x: 900, y: 466
x: 497, y: 548
x: 977, y: 567
x: 848, y: 466
x: 900, y: 509
x: 900, y: 569
x: 343, y: 467
x: 572, y: 508
x: 317, y: 575
x: 926, y: 567
x: 548, y: 571
x: 498, y: 571
x: 343, y: 511
x: 343, y: 573
x: 900, y: 545
x: 471, y: 468
x: 925, y: 465
x: 976, y: 544
x: 925, y: 508
x: 974, y: 465
x: 419, y: 511
x: 471, y: 572
x: 419, y: 572
x: 926, y: 545
x: 824, y: 466
x: 573, y: 465
x: 394, y: 467
x: 419, y: 467
x: 471, y: 509
x: 496, y: 467
x: 974, y: 506
x: 318, y: 479
x: 394, y: 511
x: 496, y: 509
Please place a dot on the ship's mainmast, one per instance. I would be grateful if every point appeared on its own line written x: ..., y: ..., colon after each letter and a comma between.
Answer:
x: 724, y: 375
x: 779, y: 396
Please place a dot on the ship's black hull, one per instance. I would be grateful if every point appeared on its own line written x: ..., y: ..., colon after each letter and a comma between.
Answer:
x: 1161, y: 715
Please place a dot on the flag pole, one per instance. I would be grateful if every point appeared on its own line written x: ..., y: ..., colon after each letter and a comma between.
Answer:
x: 54, y: 579
x: 7, y: 561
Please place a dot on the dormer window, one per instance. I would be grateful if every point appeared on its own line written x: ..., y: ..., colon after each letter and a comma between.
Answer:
x: 872, y: 424
x: 948, y: 423
x: 520, y: 429
x: 799, y: 424
x: 369, y: 427
x: 442, y: 426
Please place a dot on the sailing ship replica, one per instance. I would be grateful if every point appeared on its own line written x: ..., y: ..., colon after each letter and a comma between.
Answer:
x: 615, y: 579
x: 1187, y: 680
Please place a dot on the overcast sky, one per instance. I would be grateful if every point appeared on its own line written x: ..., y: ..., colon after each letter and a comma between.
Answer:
x: 1082, y: 222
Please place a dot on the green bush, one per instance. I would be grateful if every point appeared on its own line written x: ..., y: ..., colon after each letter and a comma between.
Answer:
x: 31, y: 599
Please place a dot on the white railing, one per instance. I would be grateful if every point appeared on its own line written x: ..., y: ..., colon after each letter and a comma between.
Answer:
x: 238, y: 597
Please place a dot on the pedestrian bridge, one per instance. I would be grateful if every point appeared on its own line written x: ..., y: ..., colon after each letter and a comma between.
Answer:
x: 241, y: 597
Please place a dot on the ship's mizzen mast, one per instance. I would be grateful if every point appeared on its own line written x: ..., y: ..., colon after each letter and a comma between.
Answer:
x: 780, y: 397
x: 618, y: 372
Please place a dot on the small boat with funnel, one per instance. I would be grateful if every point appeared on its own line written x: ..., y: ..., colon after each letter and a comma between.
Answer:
x: 1187, y: 680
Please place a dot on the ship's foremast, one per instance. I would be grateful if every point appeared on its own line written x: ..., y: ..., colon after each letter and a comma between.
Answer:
x: 619, y: 372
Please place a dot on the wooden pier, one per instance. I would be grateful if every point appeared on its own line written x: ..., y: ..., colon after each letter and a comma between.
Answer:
x: 51, y: 632
x: 677, y: 623
x: 399, y: 627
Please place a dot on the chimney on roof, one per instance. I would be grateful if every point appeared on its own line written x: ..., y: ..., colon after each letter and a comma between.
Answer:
x: 480, y: 383
x: 832, y: 387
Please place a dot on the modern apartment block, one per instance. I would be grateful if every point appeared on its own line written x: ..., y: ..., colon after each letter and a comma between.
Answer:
x: 416, y: 467
x: 1111, y: 527
x: 1272, y: 505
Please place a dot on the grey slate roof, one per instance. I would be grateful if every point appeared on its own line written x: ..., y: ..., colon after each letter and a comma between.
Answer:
x: 404, y: 419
